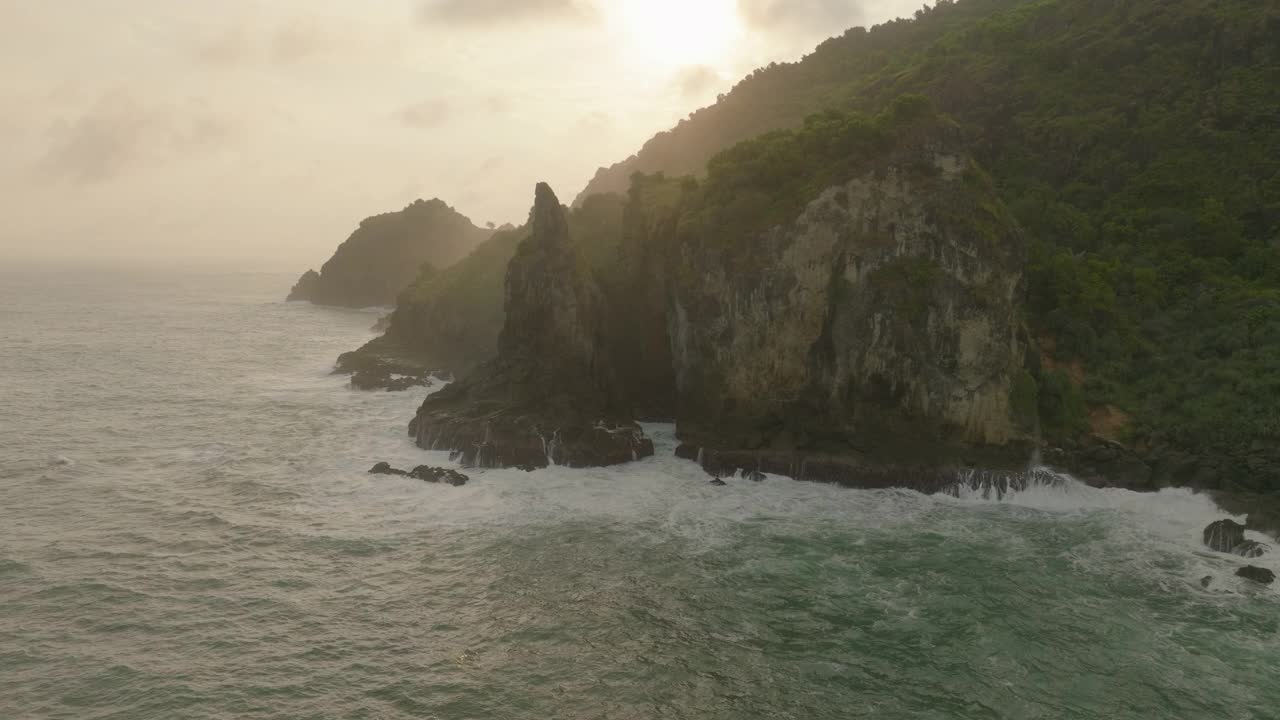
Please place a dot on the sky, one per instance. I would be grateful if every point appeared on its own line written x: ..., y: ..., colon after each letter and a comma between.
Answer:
x: 255, y: 134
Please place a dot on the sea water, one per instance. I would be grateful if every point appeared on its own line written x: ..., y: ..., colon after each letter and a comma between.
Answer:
x: 187, y: 530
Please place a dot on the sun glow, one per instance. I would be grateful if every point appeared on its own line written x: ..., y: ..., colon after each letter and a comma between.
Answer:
x: 678, y: 33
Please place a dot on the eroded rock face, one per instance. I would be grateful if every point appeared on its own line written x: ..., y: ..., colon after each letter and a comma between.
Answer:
x: 550, y: 395
x: 882, y: 322
x: 1223, y: 535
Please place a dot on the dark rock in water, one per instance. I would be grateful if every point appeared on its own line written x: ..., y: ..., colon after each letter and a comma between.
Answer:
x: 547, y: 397
x: 379, y: 367
x: 1250, y: 549
x: 429, y: 474
x: 718, y: 482
x: 424, y: 473
x: 527, y: 439
x: 1206, y: 581
x: 383, y: 468
x: 852, y: 471
x: 1223, y: 535
x: 391, y: 382
x: 1257, y: 574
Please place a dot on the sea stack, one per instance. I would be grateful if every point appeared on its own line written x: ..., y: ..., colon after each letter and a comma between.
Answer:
x: 546, y: 398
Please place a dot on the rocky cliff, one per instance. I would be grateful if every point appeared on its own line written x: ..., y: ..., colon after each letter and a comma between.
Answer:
x: 1143, y: 163
x: 550, y: 394
x: 881, y: 325
x: 387, y: 253
x: 877, y: 325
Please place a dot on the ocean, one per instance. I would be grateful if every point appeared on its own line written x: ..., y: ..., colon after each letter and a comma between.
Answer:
x: 188, y: 530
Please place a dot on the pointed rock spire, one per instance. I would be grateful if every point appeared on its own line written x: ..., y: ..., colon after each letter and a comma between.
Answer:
x: 547, y: 216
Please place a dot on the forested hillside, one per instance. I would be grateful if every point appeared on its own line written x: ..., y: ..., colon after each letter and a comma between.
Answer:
x: 1138, y: 144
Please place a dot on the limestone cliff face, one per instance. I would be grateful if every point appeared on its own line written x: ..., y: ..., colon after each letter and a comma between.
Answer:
x: 548, y: 397
x: 386, y: 254
x: 882, y: 323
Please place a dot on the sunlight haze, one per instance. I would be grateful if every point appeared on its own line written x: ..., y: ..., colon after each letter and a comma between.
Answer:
x: 258, y: 134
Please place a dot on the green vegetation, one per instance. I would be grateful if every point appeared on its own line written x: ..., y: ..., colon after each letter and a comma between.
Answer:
x: 908, y: 283
x: 1025, y: 401
x: 1137, y: 143
x: 1063, y: 411
x: 451, y: 318
x: 384, y: 255
x: 768, y: 181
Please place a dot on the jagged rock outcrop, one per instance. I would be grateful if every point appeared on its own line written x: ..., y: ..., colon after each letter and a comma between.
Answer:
x: 379, y: 366
x: 1262, y: 576
x: 1227, y: 536
x: 1223, y: 535
x: 1251, y: 549
x: 882, y: 324
x: 425, y: 473
x: 550, y: 394
x: 387, y: 253
x: 448, y: 321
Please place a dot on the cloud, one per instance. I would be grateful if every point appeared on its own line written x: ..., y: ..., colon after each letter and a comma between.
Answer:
x: 593, y: 126
x: 119, y: 133
x: 301, y: 39
x: 697, y: 80
x: 502, y: 12
x: 425, y: 115
x: 291, y: 41
x: 829, y: 16
x: 233, y: 45
x: 497, y: 105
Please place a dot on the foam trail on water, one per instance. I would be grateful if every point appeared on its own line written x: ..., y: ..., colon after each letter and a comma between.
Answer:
x: 1174, y: 517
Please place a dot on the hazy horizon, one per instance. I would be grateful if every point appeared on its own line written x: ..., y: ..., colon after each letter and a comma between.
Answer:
x: 256, y: 135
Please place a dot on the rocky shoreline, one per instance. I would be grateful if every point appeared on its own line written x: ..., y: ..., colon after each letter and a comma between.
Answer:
x: 876, y: 339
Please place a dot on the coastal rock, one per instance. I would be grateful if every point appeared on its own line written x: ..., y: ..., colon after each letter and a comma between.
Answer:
x: 387, y: 253
x: 446, y: 476
x: 387, y: 380
x: 1250, y: 549
x: 1257, y: 574
x: 379, y: 366
x: 308, y: 286
x: 850, y: 471
x: 549, y: 395
x: 451, y: 320
x: 884, y: 321
x: 383, y: 468
x: 1223, y: 535
x: 425, y: 473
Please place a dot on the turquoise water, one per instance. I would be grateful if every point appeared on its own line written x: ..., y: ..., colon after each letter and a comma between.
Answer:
x: 187, y: 531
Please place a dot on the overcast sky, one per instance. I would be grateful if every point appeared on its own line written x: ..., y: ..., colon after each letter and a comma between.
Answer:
x: 257, y: 133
